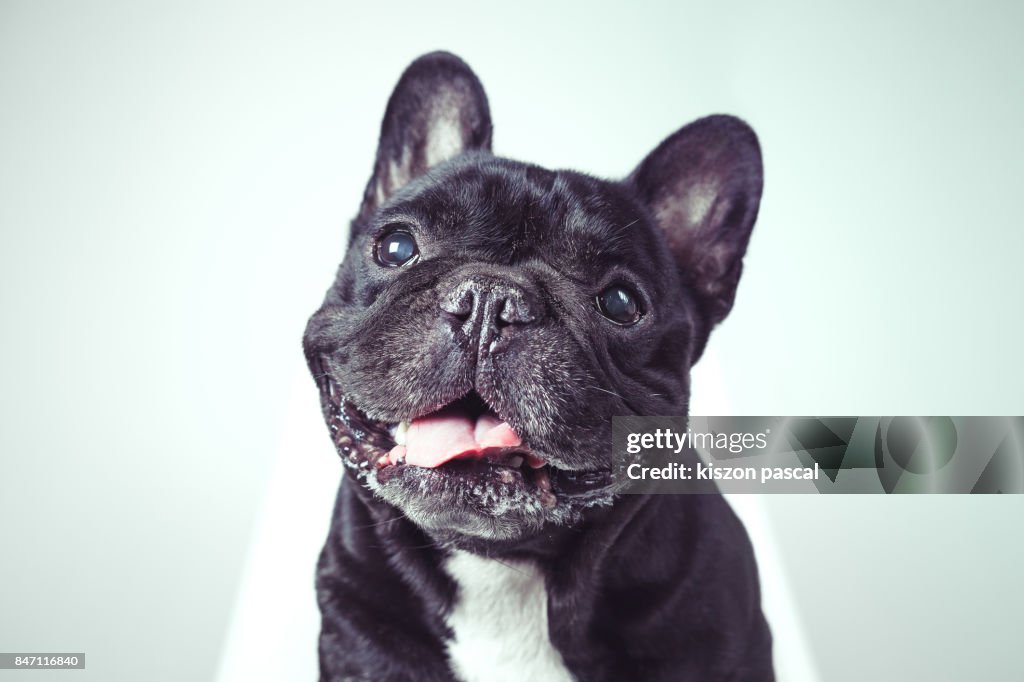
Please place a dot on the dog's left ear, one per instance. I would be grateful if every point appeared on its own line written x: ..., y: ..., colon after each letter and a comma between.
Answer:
x: 437, y: 111
x: 703, y: 186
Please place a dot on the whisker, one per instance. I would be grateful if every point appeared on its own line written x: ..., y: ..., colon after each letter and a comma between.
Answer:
x: 605, y: 390
x: 509, y: 566
x: 381, y: 523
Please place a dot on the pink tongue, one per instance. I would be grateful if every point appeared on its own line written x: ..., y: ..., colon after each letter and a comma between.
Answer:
x: 437, y: 438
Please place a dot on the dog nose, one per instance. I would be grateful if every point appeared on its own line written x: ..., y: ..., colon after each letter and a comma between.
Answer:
x: 489, y: 307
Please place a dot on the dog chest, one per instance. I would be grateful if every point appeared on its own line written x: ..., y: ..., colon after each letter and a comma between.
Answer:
x: 500, y: 622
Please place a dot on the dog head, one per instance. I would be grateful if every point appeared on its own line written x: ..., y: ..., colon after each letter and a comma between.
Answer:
x: 490, y: 316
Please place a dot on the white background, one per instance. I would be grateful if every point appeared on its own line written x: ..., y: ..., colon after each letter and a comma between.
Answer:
x: 175, y: 180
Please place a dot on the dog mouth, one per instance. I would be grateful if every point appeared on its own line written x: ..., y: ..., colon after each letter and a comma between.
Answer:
x: 464, y: 441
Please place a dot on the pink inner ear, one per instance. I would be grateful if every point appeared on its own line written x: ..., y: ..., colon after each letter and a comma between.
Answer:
x: 697, y: 201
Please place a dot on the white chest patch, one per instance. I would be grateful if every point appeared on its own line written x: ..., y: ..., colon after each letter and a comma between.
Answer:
x: 500, y: 622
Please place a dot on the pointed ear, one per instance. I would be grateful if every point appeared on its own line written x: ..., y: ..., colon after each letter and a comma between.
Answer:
x: 437, y: 111
x: 703, y: 186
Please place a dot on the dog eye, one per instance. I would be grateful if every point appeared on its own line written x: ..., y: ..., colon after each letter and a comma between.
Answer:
x: 396, y: 249
x: 619, y: 304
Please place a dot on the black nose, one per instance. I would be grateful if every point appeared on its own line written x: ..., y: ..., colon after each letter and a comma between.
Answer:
x: 489, y: 308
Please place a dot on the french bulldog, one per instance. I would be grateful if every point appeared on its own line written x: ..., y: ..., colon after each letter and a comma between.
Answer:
x: 488, y: 320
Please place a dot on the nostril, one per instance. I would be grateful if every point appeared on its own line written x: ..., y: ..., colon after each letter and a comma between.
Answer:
x: 514, y: 310
x: 459, y: 304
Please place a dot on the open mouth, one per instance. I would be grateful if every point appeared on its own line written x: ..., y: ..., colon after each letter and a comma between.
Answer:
x: 467, y: 438
x: 464, y: 440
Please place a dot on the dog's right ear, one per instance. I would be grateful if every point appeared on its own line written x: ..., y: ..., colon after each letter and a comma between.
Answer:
x: 437, y: 111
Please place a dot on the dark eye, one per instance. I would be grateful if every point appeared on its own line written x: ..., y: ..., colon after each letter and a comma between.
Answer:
x: 396, y: 249
x: 619, y: 304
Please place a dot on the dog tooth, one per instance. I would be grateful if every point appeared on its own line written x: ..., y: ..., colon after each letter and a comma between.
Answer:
x: 400, y: 431
x: 516, y: 462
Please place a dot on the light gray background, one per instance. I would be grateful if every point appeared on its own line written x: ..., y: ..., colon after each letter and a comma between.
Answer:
x: 174, y: 184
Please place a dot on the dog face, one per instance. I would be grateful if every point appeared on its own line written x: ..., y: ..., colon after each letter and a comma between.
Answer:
x: 490, y: 316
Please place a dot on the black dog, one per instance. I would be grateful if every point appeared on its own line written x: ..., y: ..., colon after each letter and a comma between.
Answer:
x: 488, y: 320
